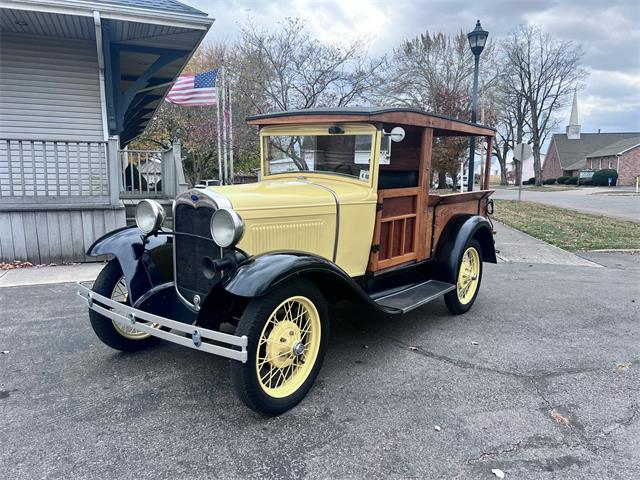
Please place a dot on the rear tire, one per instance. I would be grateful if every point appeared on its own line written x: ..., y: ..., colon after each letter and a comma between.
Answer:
x: 468, y: 277
x: 114, y: 336
x: 287, y: 331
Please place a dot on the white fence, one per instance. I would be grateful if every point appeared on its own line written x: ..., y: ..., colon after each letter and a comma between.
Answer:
x: 53, y: 171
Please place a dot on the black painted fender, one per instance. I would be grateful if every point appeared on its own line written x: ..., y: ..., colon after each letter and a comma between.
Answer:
x: 257, y: 275
x: 454, y: 238
x: 145, y: 261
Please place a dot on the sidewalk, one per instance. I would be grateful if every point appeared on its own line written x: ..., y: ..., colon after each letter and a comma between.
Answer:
x: 79, y: 272
x: 516, y: 247
x: 513, y: 245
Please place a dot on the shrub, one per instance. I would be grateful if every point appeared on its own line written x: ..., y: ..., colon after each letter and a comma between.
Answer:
x: 532, y: 181
x: 585, y: 181
x: 601, y: 177
x: 572, y: 181
x: 563, y: 180
x: 549, y: 181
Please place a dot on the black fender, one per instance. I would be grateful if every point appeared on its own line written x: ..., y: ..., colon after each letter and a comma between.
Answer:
x: 257, y: 275
x: 455, y: 236
x: 146, y: 261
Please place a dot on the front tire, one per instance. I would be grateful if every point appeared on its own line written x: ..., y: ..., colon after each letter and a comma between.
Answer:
x: 111, y: 284
x: 287, y: 331
x: 468, y: 277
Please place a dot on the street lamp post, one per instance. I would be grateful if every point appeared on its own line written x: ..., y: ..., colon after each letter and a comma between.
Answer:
x: 477, y: 40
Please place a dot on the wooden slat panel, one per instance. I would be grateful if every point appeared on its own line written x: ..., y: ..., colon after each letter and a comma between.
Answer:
x: 444, y: 213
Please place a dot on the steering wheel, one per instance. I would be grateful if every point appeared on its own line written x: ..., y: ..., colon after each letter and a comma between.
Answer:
x: 350, y: 167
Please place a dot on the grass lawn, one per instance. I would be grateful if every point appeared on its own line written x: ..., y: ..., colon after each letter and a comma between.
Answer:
x: 568, y: 229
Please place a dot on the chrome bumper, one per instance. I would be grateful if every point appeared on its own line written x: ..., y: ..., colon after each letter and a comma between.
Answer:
x: 128, y: 317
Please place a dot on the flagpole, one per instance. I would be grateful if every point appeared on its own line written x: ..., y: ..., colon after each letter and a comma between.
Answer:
x: 230, y: 136
x: 224, y: 122
x: 220, y: 175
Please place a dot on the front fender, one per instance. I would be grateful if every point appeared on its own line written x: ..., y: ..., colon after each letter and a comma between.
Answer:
x: 259, y: 274
x: 145, y: 262
x: 454, y: 239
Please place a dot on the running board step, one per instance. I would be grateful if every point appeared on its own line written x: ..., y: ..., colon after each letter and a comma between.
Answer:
x: 415, y: 296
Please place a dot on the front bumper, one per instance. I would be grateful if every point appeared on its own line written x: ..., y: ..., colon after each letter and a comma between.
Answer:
x: 128, y: 316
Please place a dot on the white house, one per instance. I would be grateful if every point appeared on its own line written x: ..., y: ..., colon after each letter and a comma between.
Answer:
x: 79, y: 80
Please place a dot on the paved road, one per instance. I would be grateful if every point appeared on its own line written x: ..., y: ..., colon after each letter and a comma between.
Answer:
x: 549, y: 339
x: 589, y: 200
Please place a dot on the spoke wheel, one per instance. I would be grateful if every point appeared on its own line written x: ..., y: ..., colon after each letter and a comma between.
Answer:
x: 468, y: 275
x: 121, y: 294
x: 288, y: 346
x: 468, y: 278
x: 287, y: 332
x: 111, y: 283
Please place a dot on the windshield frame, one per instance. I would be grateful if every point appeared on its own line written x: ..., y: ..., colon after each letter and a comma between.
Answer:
x: 316, y: 130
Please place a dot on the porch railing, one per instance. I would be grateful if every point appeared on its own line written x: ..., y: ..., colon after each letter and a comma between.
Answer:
x: 53, y: 172
x: 150, y: 173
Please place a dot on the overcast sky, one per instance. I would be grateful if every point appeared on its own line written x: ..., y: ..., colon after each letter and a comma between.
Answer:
x: 609, y: 32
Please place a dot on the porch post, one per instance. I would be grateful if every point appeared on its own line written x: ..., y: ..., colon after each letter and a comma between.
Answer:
x: 113, y: 168
x: 168, y: 173
x: 181, y: 183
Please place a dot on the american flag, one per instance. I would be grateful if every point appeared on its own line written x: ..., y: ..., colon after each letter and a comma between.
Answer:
x: 198, y: 89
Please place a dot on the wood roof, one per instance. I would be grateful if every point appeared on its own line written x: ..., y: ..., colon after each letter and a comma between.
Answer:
x: 443, y: 126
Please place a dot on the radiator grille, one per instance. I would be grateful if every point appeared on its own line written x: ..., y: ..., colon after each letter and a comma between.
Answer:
x: 193, y: 245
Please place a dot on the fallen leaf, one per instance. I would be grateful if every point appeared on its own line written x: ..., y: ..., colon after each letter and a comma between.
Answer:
x: 413, y: 348
x: 437, y: 428
x: 474, y: 343
x: 366, y: 347
x: 4, y: 352
x: 497, y: 472
x: 559, y: 418
x: 623, y: 366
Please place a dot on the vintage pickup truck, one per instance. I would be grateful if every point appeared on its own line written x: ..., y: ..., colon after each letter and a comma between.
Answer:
x: 342, y: 212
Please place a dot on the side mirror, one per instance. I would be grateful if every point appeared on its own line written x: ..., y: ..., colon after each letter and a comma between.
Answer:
x: 395, y: 135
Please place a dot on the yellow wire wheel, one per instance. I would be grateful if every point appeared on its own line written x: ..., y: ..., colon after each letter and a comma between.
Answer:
x: 287, y: 330
x: 468, y: 275
x: 467, y: 279
x: 112, y: 284
x: 288, y: 347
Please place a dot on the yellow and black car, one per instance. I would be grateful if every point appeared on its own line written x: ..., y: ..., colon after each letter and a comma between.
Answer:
x: 342, y: 212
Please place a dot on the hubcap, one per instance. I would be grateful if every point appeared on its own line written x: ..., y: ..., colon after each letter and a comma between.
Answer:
x: 288, y: 347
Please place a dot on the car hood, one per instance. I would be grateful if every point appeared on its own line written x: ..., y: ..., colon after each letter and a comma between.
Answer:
x: 289, y: 197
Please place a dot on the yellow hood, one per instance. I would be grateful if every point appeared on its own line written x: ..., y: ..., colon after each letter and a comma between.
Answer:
x: 278, y: 198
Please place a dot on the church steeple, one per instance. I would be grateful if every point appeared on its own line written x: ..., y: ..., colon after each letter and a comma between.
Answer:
x: 573, y: 129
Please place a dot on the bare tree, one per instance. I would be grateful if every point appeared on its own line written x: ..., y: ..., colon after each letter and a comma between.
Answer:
x: 290, y: 69
x: 433, y: 72
x: 544, y: 72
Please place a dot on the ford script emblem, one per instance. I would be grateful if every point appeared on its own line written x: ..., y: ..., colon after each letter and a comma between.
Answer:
x: 194, y: 198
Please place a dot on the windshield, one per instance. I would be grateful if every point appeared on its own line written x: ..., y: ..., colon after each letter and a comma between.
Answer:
x: 348, y: 155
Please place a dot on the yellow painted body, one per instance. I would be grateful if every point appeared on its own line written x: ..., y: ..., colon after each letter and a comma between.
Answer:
x: 297, y: 210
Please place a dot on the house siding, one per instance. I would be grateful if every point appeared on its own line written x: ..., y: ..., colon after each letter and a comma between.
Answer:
x: 49, y: 89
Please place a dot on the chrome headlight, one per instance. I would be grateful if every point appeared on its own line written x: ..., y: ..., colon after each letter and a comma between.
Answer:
x: 227, y: 227
x: 149, y: 215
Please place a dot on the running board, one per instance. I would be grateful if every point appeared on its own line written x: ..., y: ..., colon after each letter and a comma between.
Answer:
x: 415, y: 296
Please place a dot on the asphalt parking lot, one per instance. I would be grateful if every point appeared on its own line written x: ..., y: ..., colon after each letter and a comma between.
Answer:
x: 549, y: 391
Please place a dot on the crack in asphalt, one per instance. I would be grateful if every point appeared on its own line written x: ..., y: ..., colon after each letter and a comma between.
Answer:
x: 533, y: 379
x: 470, y: 461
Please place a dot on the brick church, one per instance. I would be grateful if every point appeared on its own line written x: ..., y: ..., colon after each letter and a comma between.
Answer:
x: 573, y: 151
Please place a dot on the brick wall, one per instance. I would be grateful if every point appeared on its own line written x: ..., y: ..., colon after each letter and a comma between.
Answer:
x: 629, y: 167
x: 551, y: 167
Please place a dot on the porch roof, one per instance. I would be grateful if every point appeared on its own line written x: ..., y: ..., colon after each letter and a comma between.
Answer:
x: 142, y: 47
